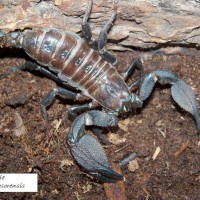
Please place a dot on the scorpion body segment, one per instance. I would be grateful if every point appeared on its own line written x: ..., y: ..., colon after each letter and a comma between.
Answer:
x: 76, y: 63
x: 85, y: 65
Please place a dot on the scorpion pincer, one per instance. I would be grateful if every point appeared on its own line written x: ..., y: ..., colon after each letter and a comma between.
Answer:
x: 85, y: 65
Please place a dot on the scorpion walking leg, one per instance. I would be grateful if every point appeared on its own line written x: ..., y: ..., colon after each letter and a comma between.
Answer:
x: 100, y: 45
x: 31, y: 66
x: 180, y: 90
x: 75, y: 110
x: 86, y: 29
x: 64, y: 93
x: 103, y: 40
x: 136, y: 64
x: 86, y: 149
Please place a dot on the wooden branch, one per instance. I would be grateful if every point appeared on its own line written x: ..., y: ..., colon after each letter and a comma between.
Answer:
x: 141, y: 23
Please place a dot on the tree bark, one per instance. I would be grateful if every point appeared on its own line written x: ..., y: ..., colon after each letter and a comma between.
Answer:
x: 143, y: 24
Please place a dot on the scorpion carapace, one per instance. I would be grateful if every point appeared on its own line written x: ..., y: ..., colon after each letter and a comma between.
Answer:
x: 85, y: 64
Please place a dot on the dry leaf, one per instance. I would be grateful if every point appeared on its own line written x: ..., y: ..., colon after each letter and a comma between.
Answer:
x: 157, y: 151
x: 115, y: 138
x: 133, y: 165
x: 19, y: 125
x: 123, y: 125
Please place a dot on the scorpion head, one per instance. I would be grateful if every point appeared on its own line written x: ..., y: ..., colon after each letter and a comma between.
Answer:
x: 114, y: 95
x: 129, y: 103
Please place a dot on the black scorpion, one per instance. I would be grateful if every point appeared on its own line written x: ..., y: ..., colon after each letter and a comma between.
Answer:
x: 85, y: 64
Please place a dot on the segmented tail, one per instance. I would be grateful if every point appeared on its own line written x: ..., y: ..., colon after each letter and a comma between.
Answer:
x: 12, y: 39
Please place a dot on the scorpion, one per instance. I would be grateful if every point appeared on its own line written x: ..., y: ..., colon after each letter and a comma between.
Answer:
x: 86, y: 69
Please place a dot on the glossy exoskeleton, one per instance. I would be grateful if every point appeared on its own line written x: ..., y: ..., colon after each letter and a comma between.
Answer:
x: 86, y: 65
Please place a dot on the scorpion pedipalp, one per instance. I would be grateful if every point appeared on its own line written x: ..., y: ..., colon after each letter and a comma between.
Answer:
x: 181, y: 92
x: 91, y: 156
x: 87, y: 151
x: 186, y: 99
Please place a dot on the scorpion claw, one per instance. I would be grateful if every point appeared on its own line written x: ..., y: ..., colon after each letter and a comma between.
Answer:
x: 186, y: 99
x: 91, y: 156
x: 106, y: 178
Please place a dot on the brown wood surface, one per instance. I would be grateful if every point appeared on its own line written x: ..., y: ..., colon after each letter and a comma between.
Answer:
x: 140, y: 23
x: 115, y: 191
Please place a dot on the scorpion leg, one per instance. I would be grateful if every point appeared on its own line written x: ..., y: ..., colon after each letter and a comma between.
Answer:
x: 86, y: 149
x: 100, y: 44
x: 50, y: 97
x: 181, y: 91
x: 75, y: 110
x: 31, y: 66
x: 86, y: 29
x: 103, y: 40
x: 136, y: 64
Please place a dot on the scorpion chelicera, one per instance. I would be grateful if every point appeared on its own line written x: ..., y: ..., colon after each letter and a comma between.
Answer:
x: 85, y: 65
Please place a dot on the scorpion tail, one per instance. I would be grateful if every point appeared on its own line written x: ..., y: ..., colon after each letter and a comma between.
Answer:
x: 12, y: 39
x: 181, y: 92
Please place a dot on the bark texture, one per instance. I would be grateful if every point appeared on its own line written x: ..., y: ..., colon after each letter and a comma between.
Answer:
x: 140, y: 23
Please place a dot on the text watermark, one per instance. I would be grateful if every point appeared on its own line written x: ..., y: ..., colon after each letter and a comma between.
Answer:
x: 18, y: 182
